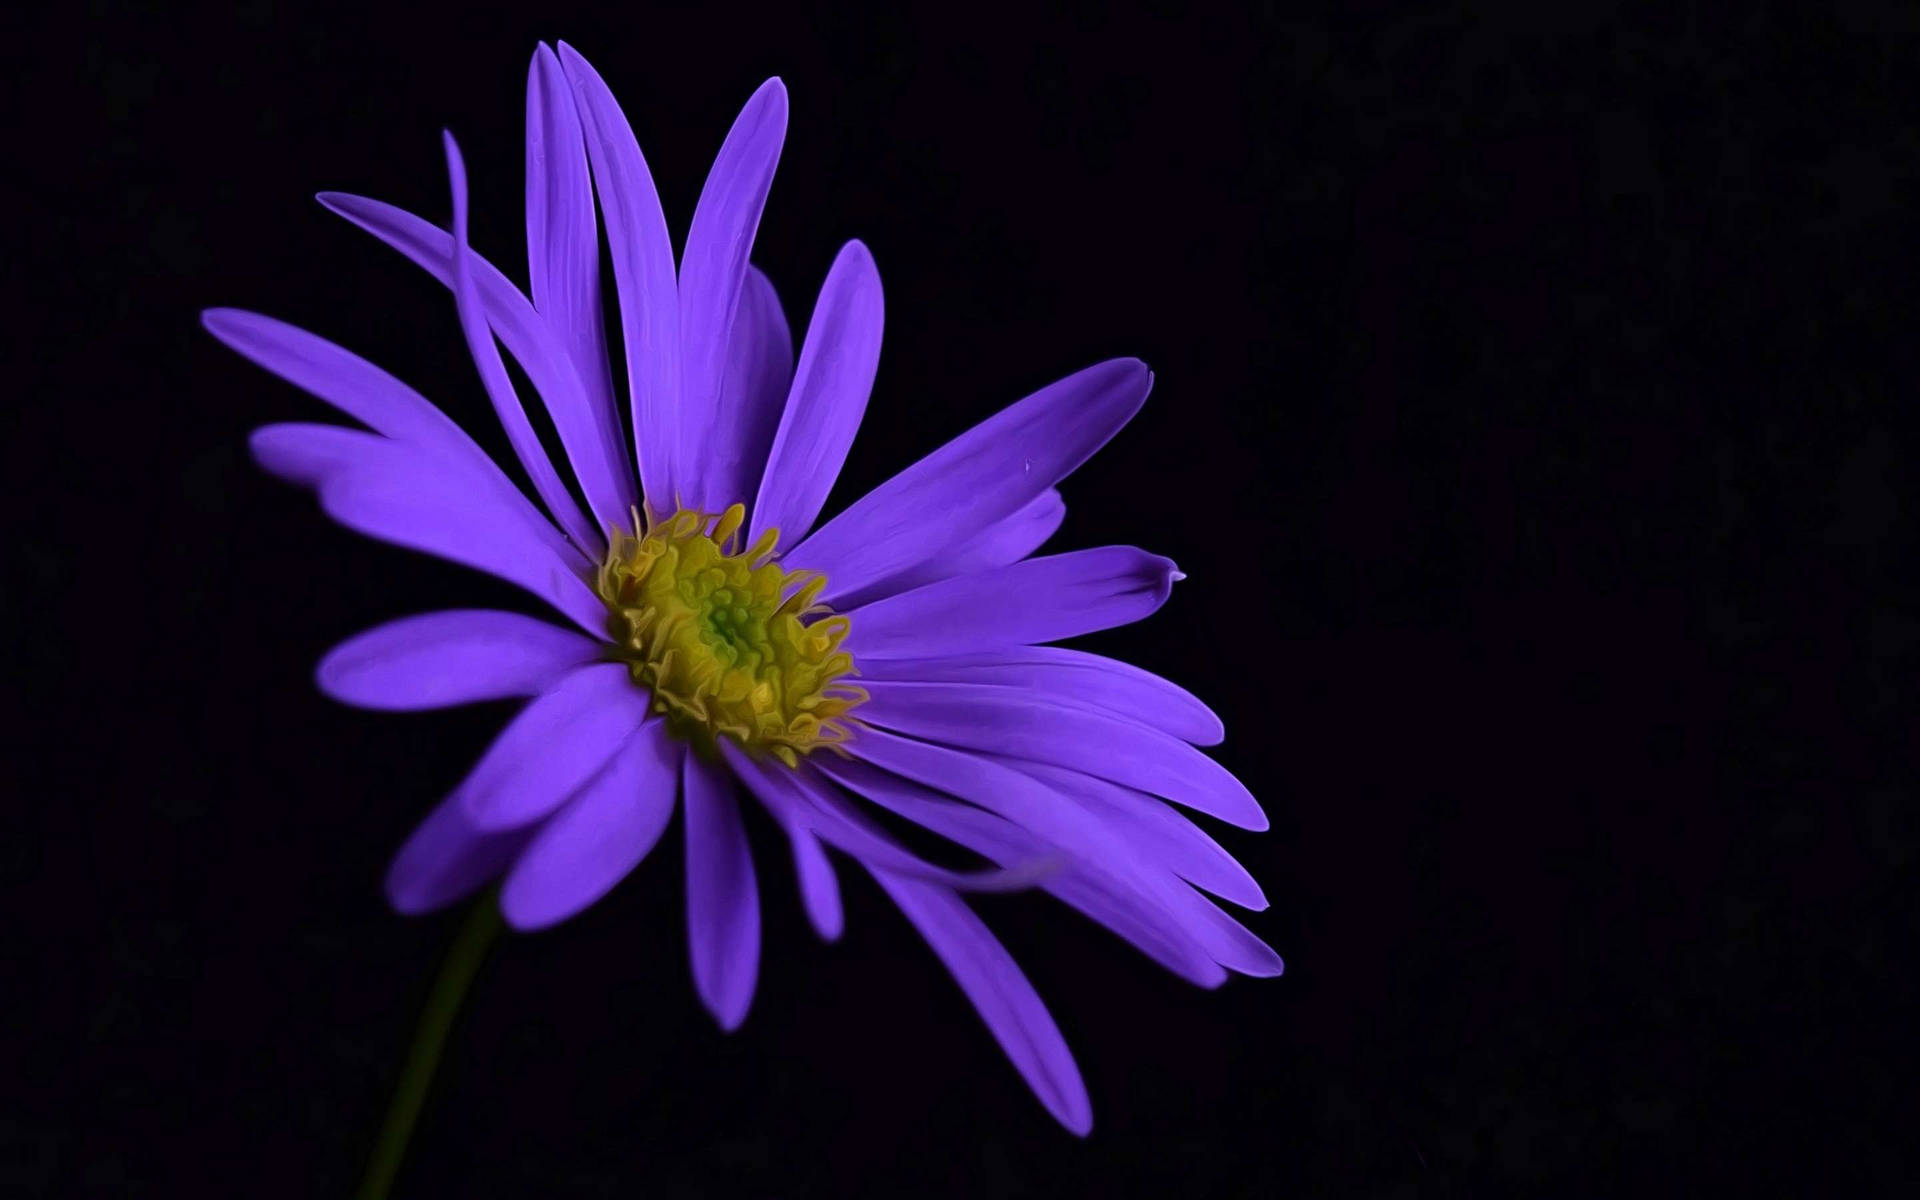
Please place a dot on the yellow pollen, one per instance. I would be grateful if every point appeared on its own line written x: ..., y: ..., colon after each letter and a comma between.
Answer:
x: 728, y: 642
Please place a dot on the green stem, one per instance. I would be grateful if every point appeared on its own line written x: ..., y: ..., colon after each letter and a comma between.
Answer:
x: 463, y: 960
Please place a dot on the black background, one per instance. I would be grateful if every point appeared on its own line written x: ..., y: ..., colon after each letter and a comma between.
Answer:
x: 1527, y: 419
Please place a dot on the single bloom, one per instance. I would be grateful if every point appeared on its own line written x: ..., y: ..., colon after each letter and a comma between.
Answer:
x: 723, y: 642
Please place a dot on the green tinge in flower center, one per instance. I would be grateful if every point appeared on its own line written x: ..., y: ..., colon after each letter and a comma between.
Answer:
x: 728, y: 643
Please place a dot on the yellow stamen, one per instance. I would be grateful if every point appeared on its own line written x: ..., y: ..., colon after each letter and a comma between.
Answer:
x: 728, y: 643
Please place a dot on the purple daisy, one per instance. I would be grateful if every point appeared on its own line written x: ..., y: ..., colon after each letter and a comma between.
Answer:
x: 891, y: 659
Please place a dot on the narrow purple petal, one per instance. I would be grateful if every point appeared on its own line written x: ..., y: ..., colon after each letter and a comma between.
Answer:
x: 563, y: 248
x: 1117, y: 878
x: 345, y: 380
x: 712, y: 275
x: 981, y: 477
x: 493, y: 373
x: 555, y: 744
x: 1112, y: 883
x: 819, y: 889
x: 1005, y: 720
x: 759, y: 370
x: 585, y: 419
x: 1102, y: 876
x: 723, y: 899
x: 419, y: 431
x: 308, y: 454
x: 1069, y: 677
x: 1161, y: 832
x: 314, y: 455
x: 447, y: 859
x: 803, y: 798
x: 643, y: 276
x: 979, y: 780
x: 1231, y: 944
x: 1005, y: 541
x: 1000, y: 992
x: 460, y: 656
x: 1038, y: 600
x: 404, y: 495
x: 598, y: 836
x: 829, y: 396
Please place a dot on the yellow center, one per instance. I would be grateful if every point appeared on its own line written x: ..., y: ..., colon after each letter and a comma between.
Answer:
x: 728, y: 642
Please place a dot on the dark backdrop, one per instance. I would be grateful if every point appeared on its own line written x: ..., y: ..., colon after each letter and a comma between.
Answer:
x: 1525, y: 420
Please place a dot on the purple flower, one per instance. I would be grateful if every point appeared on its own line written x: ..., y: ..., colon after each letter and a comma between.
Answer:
x: 721, y: 631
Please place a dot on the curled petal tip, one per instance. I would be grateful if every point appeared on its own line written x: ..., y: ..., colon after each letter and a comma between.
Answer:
x: 340, y: 204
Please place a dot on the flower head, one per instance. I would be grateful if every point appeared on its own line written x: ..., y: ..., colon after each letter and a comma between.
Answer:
x: 724, y: 642
x: 728, y: 642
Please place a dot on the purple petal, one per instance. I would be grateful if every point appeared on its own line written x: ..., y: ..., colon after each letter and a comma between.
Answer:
x: 1114, y: 877
x: 447, y: 859
x: 406, y: 496
x: 348, y: 382
x: 980, y: 478
x: 819, y: 890
x: 307, y: 454
x: 1112, y: 883
x: 563, y: 254
x: 759, y: 368
x: 493, y: 373
x: 419, y: 431
x: 1038, y: 600
x: 643, y: 276
x: 1117, y: 878
x: 1069, y: 677
x: 829, y: 397
x: 804, y: 799
x: 1165, y: 835
x: 461, y: 656
x: 712, y: 274
x: 600, y: 835
x: 1000, y: 993
x: 555, y: 744
x: 723, y: 900
x: 1231, y: 944
x: 979, y: 780
x: 314, y: 455
x: 588, y: 425
x: 1103, y: 877
x: 1008, y: 721
x: 1005, y: 541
